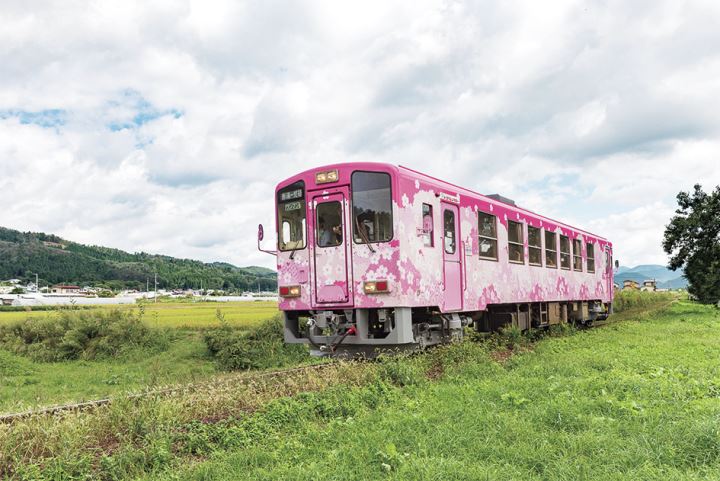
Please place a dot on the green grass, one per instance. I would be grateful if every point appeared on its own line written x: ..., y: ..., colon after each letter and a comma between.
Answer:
x: 27, y: 384
x: 633, y: 400
x: 197, y: 315
x: 636, y: 399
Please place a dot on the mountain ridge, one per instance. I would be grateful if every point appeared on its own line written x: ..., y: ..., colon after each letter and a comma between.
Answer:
x: 57, y: 260
x: 665, y: 278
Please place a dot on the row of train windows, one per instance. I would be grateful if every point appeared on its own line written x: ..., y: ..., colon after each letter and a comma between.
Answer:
x: 488, y: 241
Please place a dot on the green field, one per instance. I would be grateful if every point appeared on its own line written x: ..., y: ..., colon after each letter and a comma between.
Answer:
x: 189, y: 315
x: 632, y: 400
x: 638, y: 398
x: 25, y: 383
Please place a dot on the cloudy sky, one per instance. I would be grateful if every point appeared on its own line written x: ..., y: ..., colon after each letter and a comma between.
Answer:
x: 164, y: 126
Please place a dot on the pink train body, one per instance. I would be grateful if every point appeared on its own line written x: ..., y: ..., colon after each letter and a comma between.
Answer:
x: 377, y: 255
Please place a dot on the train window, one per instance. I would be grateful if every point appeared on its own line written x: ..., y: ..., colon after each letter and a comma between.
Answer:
x: 515, y: 242
x: 372, y: 207
x: 487, y: 236
x: 577, y: 255
x: 329, y: 224
x: 551, y: 249
x: 449, y: 231
x: 291, y: 217
x: 564, y: 252
x: 590, y: 257
x: 427, y: 225
x: 534, y: 246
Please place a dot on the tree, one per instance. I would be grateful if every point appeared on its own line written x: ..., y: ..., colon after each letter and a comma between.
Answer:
x: 692, y: 239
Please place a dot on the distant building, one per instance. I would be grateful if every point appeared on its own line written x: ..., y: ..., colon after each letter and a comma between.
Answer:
x: 630, y: 285
x: 56, y: 245
x: 649, y: 285
x: 65, y: 289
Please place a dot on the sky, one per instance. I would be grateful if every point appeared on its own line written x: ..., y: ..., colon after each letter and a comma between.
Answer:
x: 164, y: 126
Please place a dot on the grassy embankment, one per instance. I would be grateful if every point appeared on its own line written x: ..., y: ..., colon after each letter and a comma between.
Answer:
x: 26, y: 381
x: 630, y: 400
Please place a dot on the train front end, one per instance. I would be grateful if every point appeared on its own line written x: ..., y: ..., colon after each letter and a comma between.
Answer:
x: 336, y: 260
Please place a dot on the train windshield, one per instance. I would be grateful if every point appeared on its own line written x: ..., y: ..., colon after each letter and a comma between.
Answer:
x: 291, y: 217
x: 372, y: 207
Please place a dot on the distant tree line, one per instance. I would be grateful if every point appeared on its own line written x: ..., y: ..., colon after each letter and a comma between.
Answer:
x: 24, y: 254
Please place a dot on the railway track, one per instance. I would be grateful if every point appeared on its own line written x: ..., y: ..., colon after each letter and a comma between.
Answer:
x: 244, y: 378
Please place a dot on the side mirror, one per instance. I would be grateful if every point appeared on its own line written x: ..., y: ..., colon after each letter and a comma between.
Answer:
x: 261, y: 235
x: 617, y: 263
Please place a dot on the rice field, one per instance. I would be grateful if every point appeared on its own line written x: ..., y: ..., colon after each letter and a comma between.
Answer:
x: 182, y: 315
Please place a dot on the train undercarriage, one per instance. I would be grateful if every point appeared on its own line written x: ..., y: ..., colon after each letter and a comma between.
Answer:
x: 369, y: 332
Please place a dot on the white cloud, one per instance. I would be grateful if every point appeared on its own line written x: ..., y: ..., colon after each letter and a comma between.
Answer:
x: 164, y: 126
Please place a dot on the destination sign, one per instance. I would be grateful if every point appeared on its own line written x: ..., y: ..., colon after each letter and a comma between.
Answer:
x: 455, y: 199
x: 293, y: 206
x: 291, y: 194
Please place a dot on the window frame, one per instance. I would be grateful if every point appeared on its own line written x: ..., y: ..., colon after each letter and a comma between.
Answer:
x: 445, y: 231
x: 492, y: 239
x: 317, y: 224
x: 539, y: 248
x: 568, y: 253
x: 577, y: 256
x: 432, y: 224
x: 590, y: 248
x: 352, y: 207
x: 554, y: 250
x: 521, y: 243
x: 278, y: 222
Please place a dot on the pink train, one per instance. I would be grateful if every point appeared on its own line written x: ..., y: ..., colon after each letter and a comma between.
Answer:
x: 373, y: 255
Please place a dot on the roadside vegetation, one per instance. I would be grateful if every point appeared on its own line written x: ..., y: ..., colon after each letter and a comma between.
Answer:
x: 632, y: 400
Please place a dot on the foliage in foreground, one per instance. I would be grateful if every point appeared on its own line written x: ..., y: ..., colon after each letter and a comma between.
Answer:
x: 626, y: 401
x: 87, y: 335
x: 692, y: 239
x: 257, y: 348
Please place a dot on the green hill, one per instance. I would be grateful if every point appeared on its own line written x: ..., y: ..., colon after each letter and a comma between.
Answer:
x: 56, y: 260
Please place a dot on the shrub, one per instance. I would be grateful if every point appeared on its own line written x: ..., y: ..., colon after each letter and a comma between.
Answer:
x: 625, y: 300
x: 80, y: 335
x: 261, y: 347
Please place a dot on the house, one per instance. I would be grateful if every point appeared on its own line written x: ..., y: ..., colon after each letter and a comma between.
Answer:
x: 649, y: 285
x: 65, y: 289
x: 630, y: 285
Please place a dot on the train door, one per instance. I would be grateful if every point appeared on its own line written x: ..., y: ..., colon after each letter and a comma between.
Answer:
x: 331, y: 247
x: 452, y: 270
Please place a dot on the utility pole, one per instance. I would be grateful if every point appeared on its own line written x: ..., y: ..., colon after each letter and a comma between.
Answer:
x: 156, y: 287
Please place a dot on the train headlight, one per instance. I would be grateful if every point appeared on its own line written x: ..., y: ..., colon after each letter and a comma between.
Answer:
x: 326, y: 176
x: 375, y: 287
x: 289, y: 291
